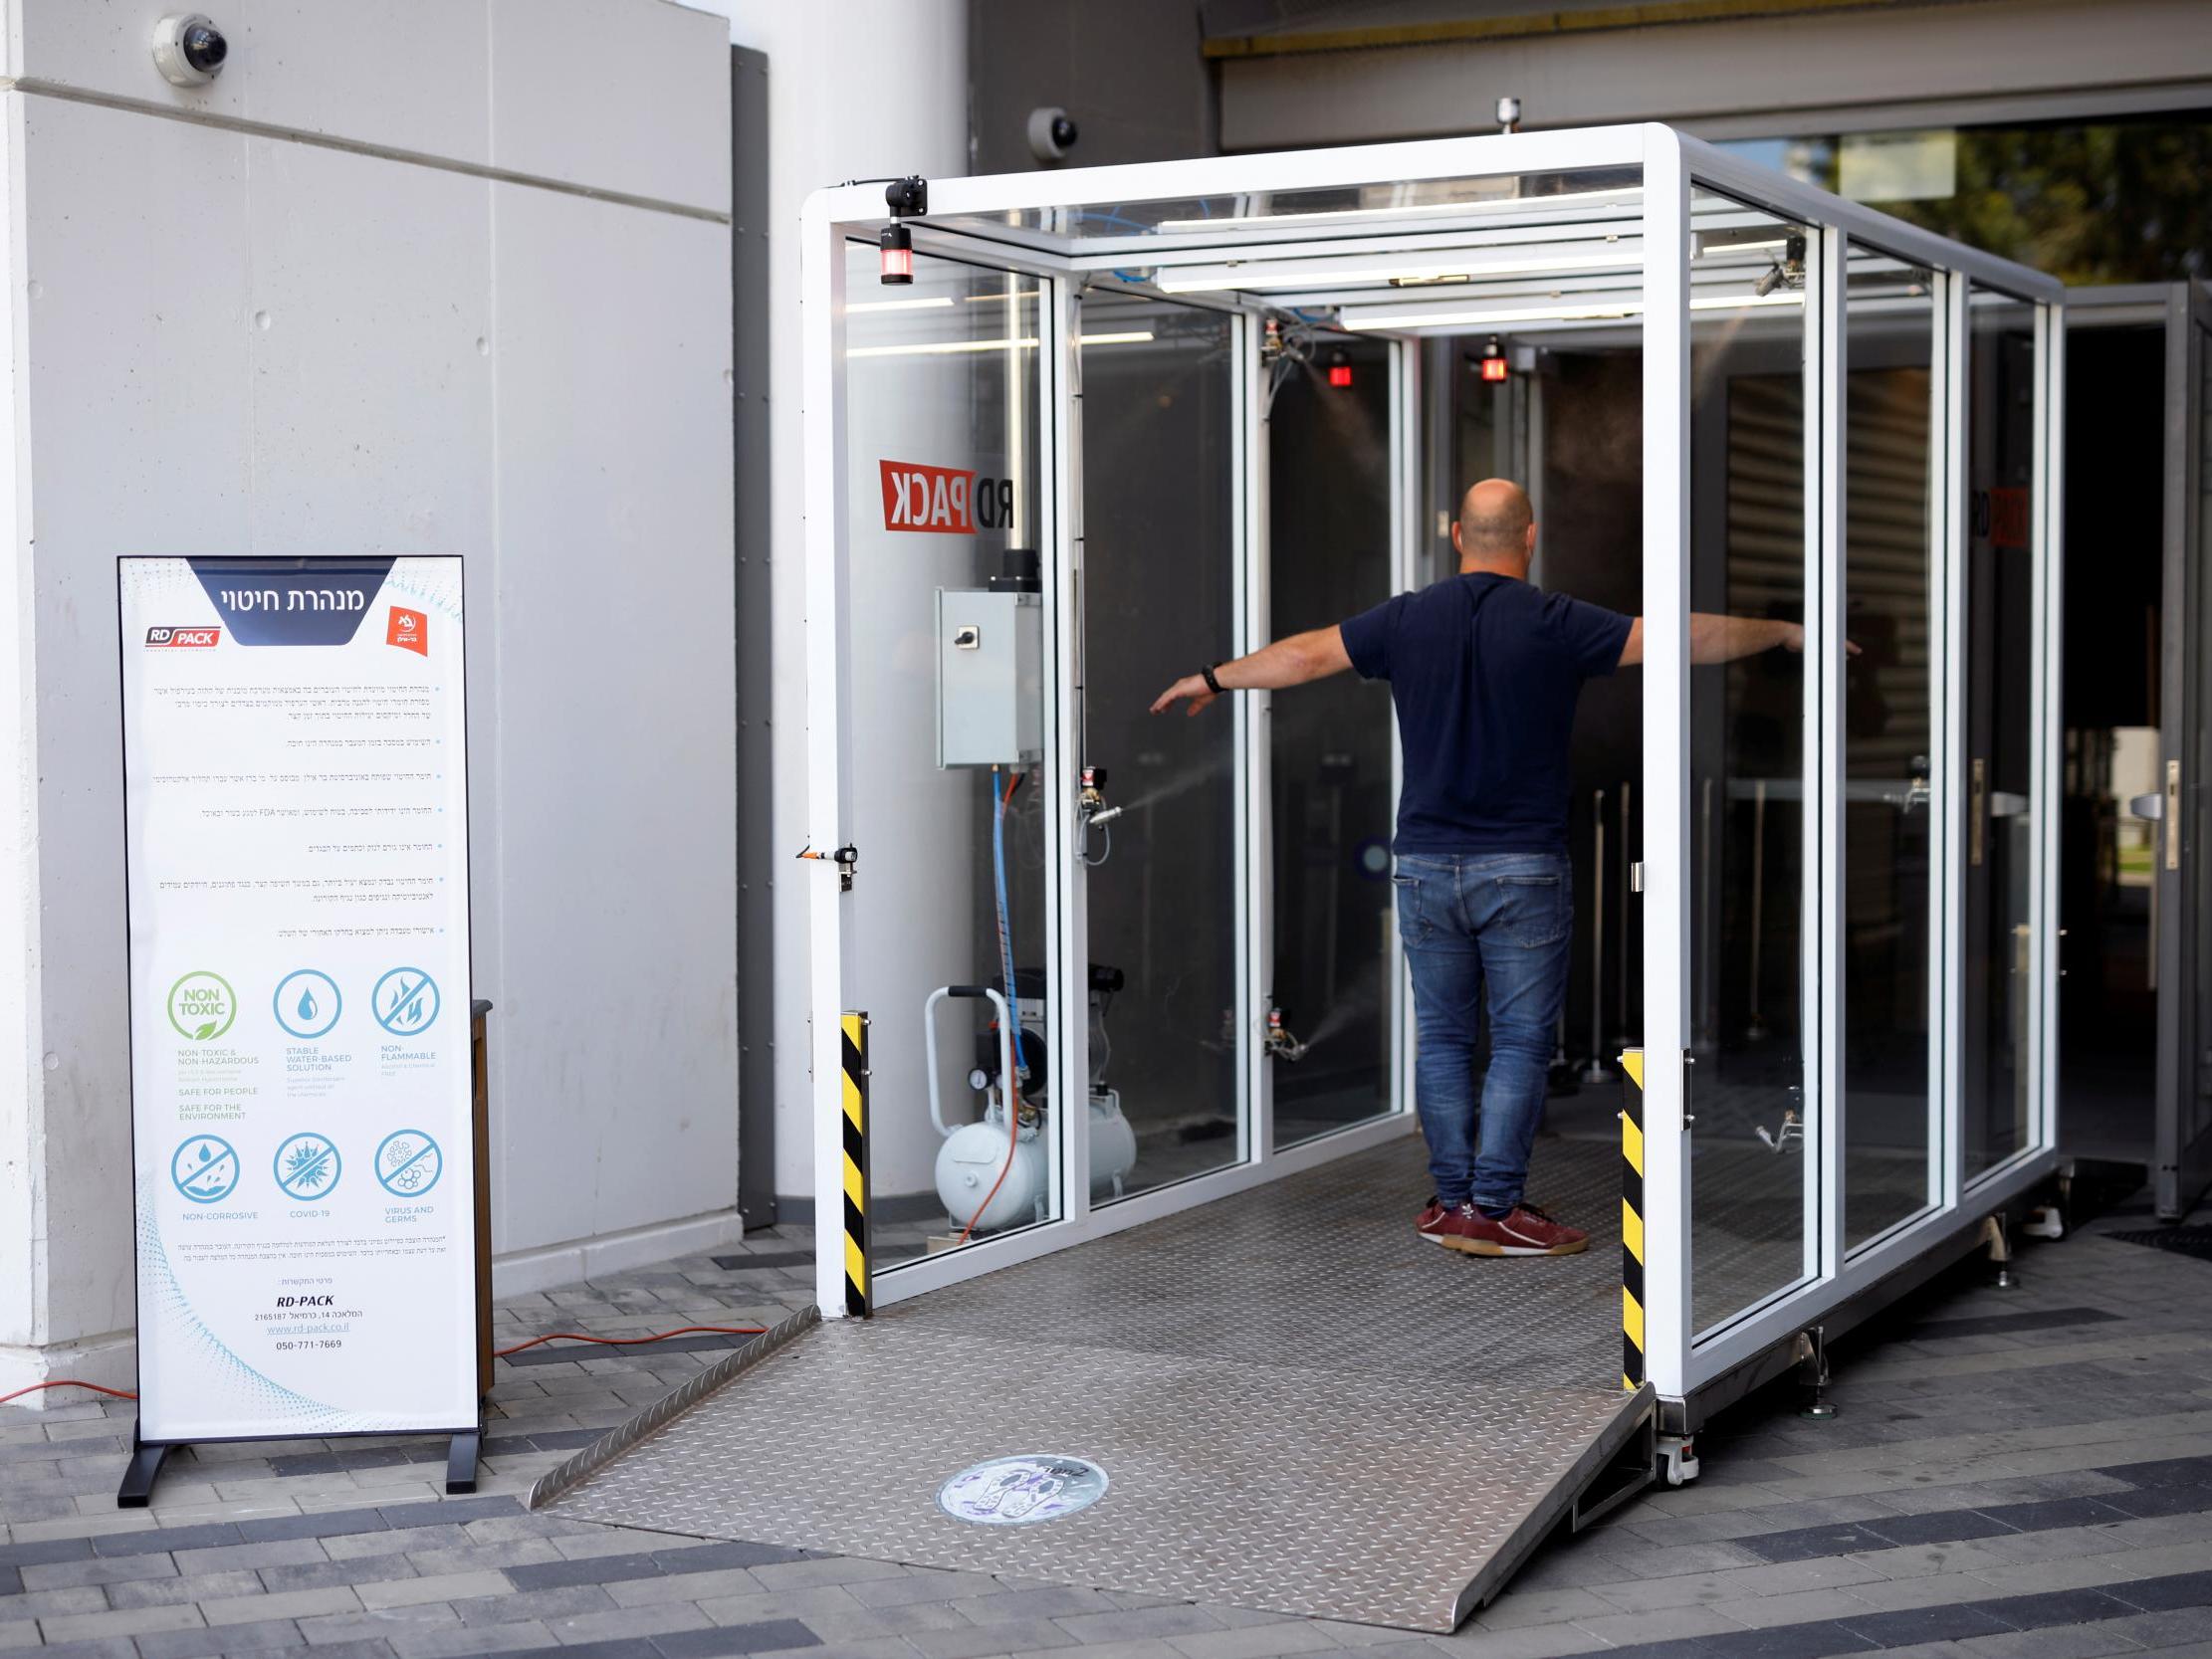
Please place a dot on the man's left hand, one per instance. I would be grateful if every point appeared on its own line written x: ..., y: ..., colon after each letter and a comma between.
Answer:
x: 1191, y: 686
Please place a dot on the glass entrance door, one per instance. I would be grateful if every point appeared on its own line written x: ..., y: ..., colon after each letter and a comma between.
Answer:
x: 952, y: 924
x: 1994, y: 785
x: 1162, y: 890
x: 2182, y: 802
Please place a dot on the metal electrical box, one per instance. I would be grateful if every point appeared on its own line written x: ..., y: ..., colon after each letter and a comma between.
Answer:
x: 989, y: 678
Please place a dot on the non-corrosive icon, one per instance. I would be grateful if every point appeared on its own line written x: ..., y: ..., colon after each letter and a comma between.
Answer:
x: 1013, y: 1490
x: 202, y: 1006
x: 408, y: 1164
x: 308, y: 1002
x: 308, y: 1167
x: 406, y: 1001
x: 204, y: 1169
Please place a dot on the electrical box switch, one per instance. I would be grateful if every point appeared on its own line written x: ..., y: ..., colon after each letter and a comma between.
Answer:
x: 989, y: 678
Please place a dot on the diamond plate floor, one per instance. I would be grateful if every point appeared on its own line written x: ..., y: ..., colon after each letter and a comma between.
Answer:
x: 1302, y: 1406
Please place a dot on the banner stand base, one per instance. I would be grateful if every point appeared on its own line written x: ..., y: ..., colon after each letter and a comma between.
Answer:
x: 137, y: 1490
x: 460, y: 1462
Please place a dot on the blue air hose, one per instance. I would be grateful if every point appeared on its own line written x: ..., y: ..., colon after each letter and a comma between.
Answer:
x: 1005, y: 927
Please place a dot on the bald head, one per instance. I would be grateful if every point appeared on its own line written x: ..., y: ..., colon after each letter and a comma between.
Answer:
x: 1497, y: 528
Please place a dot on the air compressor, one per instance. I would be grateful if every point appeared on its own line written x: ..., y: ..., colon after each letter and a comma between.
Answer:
x: 994, y: 1173
x: 983, y: 1189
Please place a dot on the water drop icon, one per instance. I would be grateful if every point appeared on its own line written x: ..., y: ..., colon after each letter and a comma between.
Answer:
x: 307, y: 1005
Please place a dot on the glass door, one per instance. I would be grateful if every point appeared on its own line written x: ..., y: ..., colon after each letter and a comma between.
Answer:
x: 1890, y: 895
x: 951, y: 752
x: 1754, y: 1151
x: 1159, y: 815
x: 1328, y: 411
x: 2182, y: 802
x: 2000, y: 962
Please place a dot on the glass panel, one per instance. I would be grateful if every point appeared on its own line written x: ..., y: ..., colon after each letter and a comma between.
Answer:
x: 1330, y: 559
x: 2108, y: 1003
x: 1886, y: 892
x: 1608, y: 199
x: 1159, y: 594
x: 2195, y: 1103
x: 944, y: 444
x: 1999, y: 957
x: 2102, y: 202
x: 1751, y: 1191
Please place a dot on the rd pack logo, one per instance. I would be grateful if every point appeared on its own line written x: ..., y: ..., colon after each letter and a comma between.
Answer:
x: 942, y: 501
x: 176, y: 637
x: 409, y: 630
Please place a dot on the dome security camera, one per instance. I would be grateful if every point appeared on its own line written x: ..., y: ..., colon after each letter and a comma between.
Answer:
x: 188, y: 48
x: 1052, y: 134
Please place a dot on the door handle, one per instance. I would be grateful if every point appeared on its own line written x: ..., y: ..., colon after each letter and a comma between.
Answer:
x: 2152, y: 808
x: 2173, y: 815
x: 1977, y: 810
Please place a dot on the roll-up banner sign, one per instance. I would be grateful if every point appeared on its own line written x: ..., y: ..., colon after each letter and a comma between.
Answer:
x: 296, y: 803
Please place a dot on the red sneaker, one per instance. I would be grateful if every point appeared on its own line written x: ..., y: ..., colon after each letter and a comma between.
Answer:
x: 1526, y: 1232
x: 1430, y: 1221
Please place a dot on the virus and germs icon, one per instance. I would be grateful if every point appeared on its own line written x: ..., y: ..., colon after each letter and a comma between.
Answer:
x: 406, y: 1170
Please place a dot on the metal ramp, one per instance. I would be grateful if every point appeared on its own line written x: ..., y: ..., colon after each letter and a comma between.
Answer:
x: 1302, y: 1406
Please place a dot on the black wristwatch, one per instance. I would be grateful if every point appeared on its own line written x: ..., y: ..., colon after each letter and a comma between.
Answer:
x: 1206, y: 673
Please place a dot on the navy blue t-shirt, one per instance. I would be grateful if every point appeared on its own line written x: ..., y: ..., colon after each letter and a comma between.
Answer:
x: 1486, y: 670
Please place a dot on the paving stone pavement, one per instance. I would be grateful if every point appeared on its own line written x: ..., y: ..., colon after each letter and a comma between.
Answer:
x: 2023, y: 1474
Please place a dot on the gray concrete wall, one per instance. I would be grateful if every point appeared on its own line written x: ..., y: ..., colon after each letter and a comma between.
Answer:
x: 1131, y: 74
x: 447, y: 302
x: 1821, y: 71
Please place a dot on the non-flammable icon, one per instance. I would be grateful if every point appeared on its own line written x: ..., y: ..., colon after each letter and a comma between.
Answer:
x: 405, y: 1001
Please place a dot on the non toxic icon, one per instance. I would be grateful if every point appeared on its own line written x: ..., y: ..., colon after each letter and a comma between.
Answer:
x: 308, y: 1002
x: 204, y: 1169
x: 202, y: 1006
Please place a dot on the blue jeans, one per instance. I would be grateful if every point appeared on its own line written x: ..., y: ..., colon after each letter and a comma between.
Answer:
x: 1496, y: 921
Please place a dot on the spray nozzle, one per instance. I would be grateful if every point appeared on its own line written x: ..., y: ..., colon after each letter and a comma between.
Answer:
x: 1281, y: 1045
x: 1786, y: 272
x: 1778, y: 1140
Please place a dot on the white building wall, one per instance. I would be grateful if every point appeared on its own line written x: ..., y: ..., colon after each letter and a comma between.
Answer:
x: 858, y: 90
x: 307, y: 320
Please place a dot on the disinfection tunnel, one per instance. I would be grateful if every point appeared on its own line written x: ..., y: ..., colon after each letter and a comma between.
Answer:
x: 1113, y: 1046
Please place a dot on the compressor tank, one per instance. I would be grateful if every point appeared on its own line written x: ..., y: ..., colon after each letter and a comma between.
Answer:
x: 971, y: 1156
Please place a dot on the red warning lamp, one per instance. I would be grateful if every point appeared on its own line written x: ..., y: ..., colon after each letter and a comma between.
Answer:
x: 1340, y: 374
x: 1494, y: 368
x: 897, y: 251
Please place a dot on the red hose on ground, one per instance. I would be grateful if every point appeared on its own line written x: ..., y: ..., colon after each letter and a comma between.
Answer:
x: 66, y: 1383
x: 626, y: 1342
x: 501, y: 1353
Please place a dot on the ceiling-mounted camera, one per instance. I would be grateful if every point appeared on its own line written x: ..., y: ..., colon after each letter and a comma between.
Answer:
x: 188, y: 48
x: 1052, y: 134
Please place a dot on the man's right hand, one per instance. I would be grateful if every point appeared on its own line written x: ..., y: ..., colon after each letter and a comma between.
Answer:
x: 1192, y: 687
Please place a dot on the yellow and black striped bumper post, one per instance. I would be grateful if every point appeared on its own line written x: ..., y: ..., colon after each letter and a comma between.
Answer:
x: 858, y: 1291
x: 1631, y: 1219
